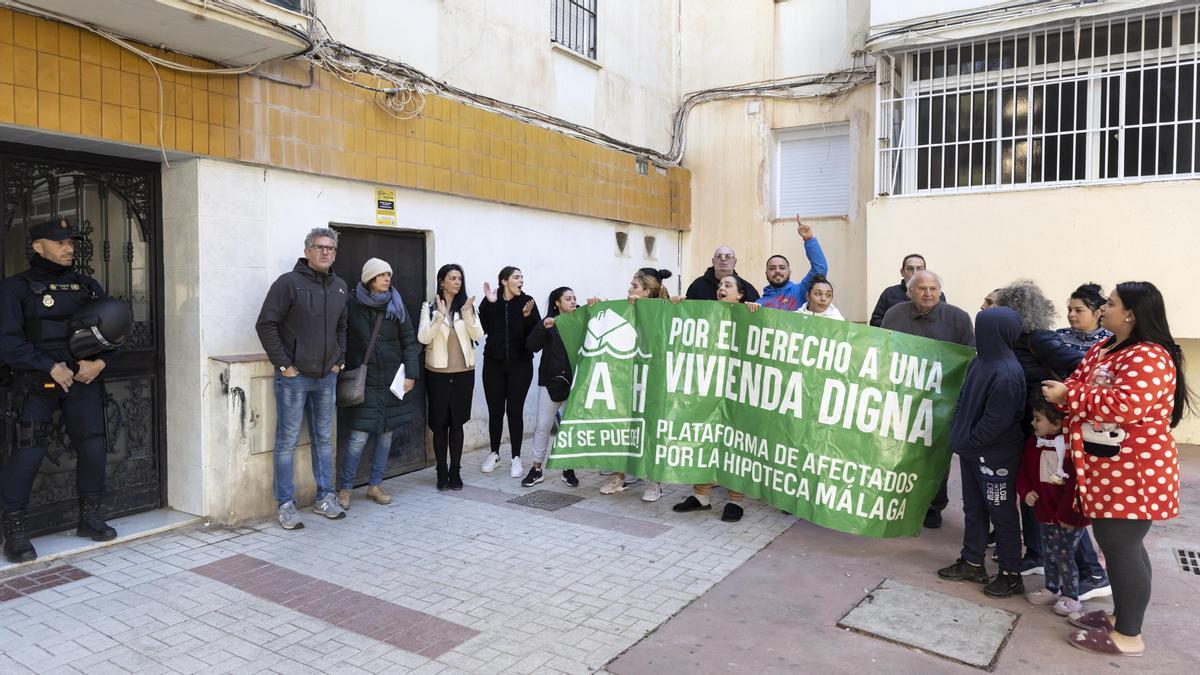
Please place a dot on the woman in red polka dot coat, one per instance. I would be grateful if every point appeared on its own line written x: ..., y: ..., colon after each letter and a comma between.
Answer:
x: 1122, y: 402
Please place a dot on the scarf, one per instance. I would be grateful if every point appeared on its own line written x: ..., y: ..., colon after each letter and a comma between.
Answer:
x: 395, y: 307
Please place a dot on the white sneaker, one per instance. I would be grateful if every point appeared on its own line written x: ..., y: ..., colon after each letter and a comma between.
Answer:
x: 614, y: 484
x: 489, y: 464
x: 653, y: 492
x: 517, y: 471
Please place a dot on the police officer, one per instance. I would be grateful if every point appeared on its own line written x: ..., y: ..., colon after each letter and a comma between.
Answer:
x: 35, y: 309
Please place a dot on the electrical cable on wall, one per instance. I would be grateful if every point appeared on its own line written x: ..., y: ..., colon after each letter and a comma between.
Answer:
x: 400, y: 89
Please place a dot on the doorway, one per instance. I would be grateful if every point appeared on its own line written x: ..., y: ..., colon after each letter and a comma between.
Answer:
x: 115, y: 204
x: 405, y: 252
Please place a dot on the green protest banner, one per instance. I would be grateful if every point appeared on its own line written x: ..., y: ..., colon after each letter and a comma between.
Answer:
x: 841, y: 424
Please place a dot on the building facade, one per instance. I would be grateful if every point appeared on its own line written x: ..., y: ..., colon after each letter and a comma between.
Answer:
x: 196, y: 142
x: 197, y: 166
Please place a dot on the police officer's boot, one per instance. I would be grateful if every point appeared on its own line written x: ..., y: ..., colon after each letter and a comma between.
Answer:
x: 17, y: 547
x: 90, y: 523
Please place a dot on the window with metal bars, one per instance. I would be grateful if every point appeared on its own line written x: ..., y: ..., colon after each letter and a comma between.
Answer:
x: 1106, y: 100
x: 574, y: 26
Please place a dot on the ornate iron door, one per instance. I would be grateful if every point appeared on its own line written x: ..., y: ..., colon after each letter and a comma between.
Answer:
x: 115, y: 204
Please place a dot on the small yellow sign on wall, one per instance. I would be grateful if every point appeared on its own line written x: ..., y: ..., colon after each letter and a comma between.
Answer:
x: 385, y: 206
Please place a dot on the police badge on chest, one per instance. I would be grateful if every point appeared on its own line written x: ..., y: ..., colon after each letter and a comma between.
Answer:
x: 48, y: 300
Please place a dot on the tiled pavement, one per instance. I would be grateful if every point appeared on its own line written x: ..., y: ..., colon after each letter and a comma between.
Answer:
x: 434, y: 582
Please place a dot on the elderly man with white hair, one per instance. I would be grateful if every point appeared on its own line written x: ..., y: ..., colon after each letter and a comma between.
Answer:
x: 925, y: 314
x: 723, y: 262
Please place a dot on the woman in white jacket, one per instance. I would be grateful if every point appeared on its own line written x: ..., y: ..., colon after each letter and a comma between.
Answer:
x: 819, y: 301
x: 449, y: 329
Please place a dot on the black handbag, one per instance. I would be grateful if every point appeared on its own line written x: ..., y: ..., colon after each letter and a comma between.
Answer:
x: 559, y: 388
x: 352, y: 383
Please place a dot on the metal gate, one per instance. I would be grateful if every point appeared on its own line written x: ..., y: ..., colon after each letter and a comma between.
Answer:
x: 114, y: 203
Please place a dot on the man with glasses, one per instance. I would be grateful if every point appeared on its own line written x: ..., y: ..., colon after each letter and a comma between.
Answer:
x: 302, y: 327
x: 894, y: 295
x: 705, y: 286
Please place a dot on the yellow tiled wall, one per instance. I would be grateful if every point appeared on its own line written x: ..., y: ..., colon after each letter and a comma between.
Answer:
x: 57, y: 77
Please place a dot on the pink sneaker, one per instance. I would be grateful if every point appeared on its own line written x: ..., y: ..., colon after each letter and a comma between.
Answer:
x: 1042, y: 597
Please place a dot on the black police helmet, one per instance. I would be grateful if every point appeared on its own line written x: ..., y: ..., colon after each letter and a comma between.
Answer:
x: 99, y: 327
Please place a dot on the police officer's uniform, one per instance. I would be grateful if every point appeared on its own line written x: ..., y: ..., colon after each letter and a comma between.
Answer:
x: 36, y: 307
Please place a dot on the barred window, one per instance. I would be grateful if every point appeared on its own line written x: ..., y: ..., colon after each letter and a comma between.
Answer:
x: 574, y: 26
x: 1107, y: 100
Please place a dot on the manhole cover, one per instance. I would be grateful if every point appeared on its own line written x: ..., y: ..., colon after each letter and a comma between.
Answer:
x: 933, y: 622
x: 546, y: 500
x: 1189, y: 561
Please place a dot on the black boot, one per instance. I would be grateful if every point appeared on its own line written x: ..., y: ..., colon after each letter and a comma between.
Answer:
x: 443, y: 479
x: 455, y: 478
x: 91, y: 524
x: 17, y: 547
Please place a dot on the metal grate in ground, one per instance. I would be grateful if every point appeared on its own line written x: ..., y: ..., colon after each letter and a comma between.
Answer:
x: 1189, y: 561
x: 546, y: 500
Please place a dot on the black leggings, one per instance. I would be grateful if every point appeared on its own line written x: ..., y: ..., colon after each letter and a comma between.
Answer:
x: 449, y: 396
x: 505, y: 385
x: 1128, y: 569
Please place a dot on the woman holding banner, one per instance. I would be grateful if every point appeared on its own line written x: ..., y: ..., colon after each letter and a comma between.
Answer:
x: 1122, y: 401
x: 554, y: 382
x: 647, y: 283
x: 730, y: 289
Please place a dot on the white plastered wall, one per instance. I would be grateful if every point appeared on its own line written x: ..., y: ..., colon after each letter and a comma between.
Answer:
x: 502, y: 49
x: 230, y: 229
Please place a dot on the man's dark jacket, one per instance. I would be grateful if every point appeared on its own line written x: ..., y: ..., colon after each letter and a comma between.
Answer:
x: 303, y: 321
x: 705, y: 287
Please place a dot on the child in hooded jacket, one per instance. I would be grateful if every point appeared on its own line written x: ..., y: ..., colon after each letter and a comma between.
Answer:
x: 987, y: 433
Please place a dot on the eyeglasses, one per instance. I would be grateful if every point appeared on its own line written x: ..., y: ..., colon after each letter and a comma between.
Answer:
x: 323, y: 248
x: 724, y: 256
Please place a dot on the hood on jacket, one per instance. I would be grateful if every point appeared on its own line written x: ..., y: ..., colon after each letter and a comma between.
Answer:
x: 996, y: 331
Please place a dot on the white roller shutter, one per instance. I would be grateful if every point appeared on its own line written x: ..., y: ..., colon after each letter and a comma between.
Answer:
x: 813, y: 175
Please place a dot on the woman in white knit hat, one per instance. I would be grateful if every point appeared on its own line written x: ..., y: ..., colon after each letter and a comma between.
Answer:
x: 375, y: 302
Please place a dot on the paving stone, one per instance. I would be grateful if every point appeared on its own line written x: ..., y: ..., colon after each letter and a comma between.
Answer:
x: 933, y: 622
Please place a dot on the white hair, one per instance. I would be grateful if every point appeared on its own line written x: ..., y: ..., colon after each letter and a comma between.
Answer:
x: 912, y: 281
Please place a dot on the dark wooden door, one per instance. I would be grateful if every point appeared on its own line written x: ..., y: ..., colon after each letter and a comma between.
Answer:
x: 405, y: 252
x: 115, y: 204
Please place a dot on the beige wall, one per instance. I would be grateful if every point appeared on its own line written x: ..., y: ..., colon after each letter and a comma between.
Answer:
x: 731, y: 156
x: 1059, y: 237
x: 730, y: 145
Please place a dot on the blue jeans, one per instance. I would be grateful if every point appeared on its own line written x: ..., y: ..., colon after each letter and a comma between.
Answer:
x: 354, y: 448
x: 293, y: 397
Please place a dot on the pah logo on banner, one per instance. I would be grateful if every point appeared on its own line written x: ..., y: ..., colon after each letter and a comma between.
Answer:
x: 608, y: 333
x: 617, y: 385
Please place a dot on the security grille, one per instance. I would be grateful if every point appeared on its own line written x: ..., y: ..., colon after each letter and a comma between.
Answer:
x: 574, y: 26
x: 1189, y: 561
x: 1107, y: 100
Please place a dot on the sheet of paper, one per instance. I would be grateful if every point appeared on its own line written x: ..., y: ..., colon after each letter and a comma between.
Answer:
x: 398, y: 383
